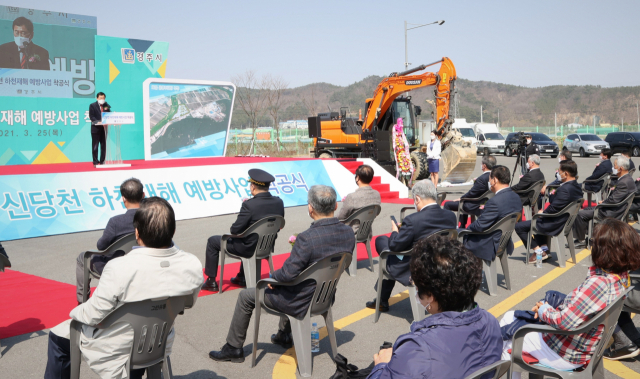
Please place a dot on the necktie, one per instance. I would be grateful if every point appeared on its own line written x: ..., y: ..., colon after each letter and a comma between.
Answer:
x: 23, y: 61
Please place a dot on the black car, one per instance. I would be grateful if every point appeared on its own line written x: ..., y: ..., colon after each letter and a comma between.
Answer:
x: 546, y: 144
x: 624, y: 141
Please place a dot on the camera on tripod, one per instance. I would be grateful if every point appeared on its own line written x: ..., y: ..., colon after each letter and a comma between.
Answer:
x: 521, y: 159
x: 522, y: 140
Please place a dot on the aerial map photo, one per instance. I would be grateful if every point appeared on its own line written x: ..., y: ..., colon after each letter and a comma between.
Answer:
x: 188, y: 120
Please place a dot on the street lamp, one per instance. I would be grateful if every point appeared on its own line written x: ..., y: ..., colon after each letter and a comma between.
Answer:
x: 416, y: 26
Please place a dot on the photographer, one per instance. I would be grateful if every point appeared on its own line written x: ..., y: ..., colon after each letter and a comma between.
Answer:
x: 532, y: 148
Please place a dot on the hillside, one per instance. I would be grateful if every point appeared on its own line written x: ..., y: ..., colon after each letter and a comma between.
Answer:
x: 518, y: 106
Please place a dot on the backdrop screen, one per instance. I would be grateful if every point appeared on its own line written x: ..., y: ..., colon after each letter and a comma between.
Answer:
x: 187, y: 119
x: 55, y: 59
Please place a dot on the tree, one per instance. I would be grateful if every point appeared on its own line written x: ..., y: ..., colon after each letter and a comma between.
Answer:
x: 251, y: 94
x: 276, y: 86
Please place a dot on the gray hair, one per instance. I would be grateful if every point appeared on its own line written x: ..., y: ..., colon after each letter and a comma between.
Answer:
x: 623, y: 162
x: 535, y: 158
x: 489, y: 161
x: 322, y: 199
x: 425, y: 189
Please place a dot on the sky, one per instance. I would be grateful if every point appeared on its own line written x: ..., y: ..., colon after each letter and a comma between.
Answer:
x: 527, y: 43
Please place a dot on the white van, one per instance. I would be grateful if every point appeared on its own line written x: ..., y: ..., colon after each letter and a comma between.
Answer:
x: 489, y: 139
x: 468, y: 134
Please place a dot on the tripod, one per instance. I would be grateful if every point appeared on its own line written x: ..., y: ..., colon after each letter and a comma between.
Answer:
x: 520, y: 159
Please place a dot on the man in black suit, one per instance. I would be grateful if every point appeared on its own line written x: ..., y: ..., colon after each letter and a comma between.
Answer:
x: 3, y: 252
x: 565, y: 155
x: 326, y: 236
x: 532, y: 148
x: 429, y: 219
x: 624, y: 187
x: 632, y: 166
x: 568, y: 192
x: 261, y: 205
x: 479, y: 188
x: 22, y: 53
x: 98, y: 132
x: 533, y: 175
x: 505, y: 202
x: 132, y: 193
x: 604, y: 167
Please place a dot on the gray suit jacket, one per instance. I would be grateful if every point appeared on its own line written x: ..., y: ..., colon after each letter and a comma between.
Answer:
x: 624, y: 187
x: 118, y: 226
x: 362, y: 197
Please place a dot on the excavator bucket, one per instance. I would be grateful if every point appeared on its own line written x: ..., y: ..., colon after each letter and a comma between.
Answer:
x: 459, y: 161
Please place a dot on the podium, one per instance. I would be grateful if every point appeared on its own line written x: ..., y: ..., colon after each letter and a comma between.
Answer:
x: 114, y: 122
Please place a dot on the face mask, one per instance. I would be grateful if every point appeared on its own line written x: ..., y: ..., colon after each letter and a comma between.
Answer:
x: 558, y: 176
x: 528, y: 141
x: 562, y: 178
x: 433, y: 137
x: 615, y: 171
x: 490, y: 186
x: 420, y: 302
x: 559, y: 160
x: 527, y: 165
x: 101, y: 101
x: 22, y: 42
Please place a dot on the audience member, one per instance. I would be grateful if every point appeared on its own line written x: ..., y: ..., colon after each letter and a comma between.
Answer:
x: 499, y: 206
x: 117, y: 227
x: 325, y: 237
x: 614, y: 178
x: 532, y: 176
x: 363, y: 196
x: 155, y: 269
x: 624, y: 187
x: 603, y: 167
x: 3, y: 251
x: 428, y: 219
x: 460, y: 337
x: 479, y: 188
x: 624, y: 237
x: 532, y: 148
x: 604, y: 284
x: 565, y: 155
x: 568, y: 192
x: 261, y: 205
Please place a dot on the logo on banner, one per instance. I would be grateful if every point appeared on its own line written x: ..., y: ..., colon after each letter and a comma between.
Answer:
x: 128, y: 55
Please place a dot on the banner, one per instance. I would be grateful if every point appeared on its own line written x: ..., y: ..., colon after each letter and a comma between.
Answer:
x: 122, y: 66
x: 58, y: 51
x: 49, y: 204
x: 186, y: 118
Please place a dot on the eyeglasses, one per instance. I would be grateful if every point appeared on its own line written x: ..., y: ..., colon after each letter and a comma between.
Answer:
x: 24, y: 34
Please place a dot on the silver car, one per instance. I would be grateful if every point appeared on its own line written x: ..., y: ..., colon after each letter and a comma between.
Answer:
x: 584, y: 143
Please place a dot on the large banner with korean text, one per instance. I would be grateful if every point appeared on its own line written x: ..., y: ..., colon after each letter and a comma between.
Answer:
x: 50, y: 204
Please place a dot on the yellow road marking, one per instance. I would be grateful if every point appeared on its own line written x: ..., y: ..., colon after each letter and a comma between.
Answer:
x: 617, y: 368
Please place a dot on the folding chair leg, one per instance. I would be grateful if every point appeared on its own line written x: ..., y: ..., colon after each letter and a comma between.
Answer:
x: 379, y: 291
x: 86, y: 280
x: 418, y: 311
x: 353, y: 267
x: 598, y: 373
x: 528, y: 249
x: 155, y: 371
x: 252, y: 270
x: 271, y: 269
x: 559, y: 249
x: 368, y: 245
x: 504, y: 262
x: 491, y: 275
x: 167, y: 372
x: 589, y: 234
x: 301, y: 330
x: 222, y: 256
x: 76, y: 355
x: 331, y: 332
x: 256, y: 330
x: 572, y: 246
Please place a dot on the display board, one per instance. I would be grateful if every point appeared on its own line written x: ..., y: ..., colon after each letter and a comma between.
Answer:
x: 58, y: 51
x: 186, y: 118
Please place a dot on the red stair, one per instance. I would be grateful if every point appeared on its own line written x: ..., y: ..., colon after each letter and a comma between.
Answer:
x: 376, y: 183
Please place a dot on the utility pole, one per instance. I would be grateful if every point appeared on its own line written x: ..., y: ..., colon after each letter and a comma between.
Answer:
x: 498, y: 118
x: 481, y: 114
x: 622, y: 124
x: 638, y: 115
x: 555, y: 124
x: 406, y: 54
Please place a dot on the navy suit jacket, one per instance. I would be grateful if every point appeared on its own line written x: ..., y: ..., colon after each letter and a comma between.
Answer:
x: 601, y: 169
x: 325, y: 237
x: 480, y: 187
x: 419, y: 225
x: 258, y: 207
x: 96, y: 116
x: 502, y: 204
x: 10, y: 57
x: 566, y: 194
x: 117, y: 227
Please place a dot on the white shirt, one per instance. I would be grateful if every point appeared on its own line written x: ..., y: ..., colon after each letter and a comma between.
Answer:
x: 135, y: 277
x: 435, y: 152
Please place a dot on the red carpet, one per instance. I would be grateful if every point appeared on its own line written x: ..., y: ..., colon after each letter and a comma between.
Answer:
x: 135, y: 165
x: 31, y: 303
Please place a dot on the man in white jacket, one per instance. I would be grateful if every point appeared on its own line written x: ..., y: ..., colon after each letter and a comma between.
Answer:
x: 155, y: 269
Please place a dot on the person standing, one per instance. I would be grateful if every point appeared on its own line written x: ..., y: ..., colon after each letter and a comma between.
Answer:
x: 433, y: 157
x: 98, y: 132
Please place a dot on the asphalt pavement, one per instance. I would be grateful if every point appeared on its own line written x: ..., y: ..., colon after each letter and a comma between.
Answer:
x: 204, y: 327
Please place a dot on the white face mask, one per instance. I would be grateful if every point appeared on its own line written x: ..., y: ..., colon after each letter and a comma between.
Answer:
x: 559, y: 160
x: 615, y: 171
x: 527, y: 165
x: 558, y: 176
x: 433, y: 137
x: 420, y: 302
x: 22, y: 42
x: 528, y: 141
x: 101, y: 101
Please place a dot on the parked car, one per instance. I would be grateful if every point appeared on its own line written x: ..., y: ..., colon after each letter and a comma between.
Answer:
x: 546, y: 144
x: 621, y: 141
x: 490, y: 143
x: 584, y: 143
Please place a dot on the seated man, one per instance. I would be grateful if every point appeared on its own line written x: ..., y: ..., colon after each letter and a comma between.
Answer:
x: 362, y: 197
x: 532, y: 176
x: 261, y: 205
x: 325, y: 237
x: 603, y: 167
x: 565, y: 155
x: 428, y: 219
x: 479, y: 188
x: 152, y: 270
x: 626, y: 153
x: 117, y: 227
x: 499, y: 206
x: 568, y: 192
x: 624, y: 187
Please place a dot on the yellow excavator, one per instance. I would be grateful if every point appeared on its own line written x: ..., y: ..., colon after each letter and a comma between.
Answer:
x: 337, y: 136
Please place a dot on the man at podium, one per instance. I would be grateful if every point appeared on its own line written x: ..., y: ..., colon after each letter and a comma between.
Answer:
x: 98, y: 136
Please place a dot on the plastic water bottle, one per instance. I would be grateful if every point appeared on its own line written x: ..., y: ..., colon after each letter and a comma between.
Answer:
x: 539, y: 258
x: 315, y: 338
